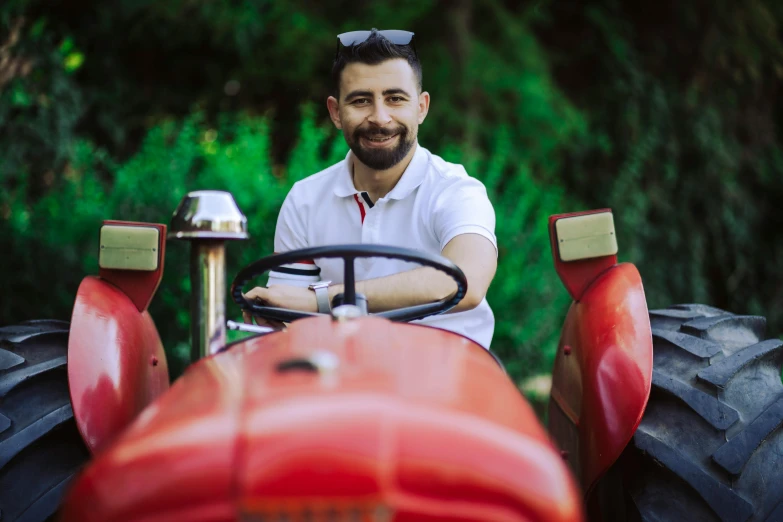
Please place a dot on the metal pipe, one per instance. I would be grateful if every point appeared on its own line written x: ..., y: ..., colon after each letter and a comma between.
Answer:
x: 208, y: 307
x: 252, y: 328
x: 208, y: 219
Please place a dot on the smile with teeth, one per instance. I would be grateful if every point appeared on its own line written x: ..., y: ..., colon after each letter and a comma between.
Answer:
x: 379, y: 139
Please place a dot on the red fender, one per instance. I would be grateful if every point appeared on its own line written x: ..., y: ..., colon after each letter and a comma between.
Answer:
x: 602, y: 374
x: 116, y: 362
x: 603, y: 368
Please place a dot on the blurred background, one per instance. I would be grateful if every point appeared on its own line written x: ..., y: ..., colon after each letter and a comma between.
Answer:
x: 667, y: 112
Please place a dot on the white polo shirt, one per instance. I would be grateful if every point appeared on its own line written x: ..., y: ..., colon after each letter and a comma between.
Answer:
x: 433, y: 202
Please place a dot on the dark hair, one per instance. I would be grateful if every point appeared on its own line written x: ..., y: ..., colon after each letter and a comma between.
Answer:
x: 376, y: 49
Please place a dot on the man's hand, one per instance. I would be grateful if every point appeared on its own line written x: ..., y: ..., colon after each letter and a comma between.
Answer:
x: 282, y: 296
x: 271, y: 323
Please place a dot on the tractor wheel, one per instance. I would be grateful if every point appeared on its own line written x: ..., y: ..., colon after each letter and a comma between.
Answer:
x: 709, y: 447
x: 40, y: 447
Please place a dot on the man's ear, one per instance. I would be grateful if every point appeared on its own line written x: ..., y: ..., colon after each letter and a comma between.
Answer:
x: 334, y: 111
x: 424, y: 105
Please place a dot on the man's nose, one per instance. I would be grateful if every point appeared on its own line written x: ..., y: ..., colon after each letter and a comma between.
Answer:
x: 380, y: 115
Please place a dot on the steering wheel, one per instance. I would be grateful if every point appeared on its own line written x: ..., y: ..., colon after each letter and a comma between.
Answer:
x: 348, y: 253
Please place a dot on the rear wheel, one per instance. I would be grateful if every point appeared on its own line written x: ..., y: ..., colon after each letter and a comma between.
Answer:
x: 709, y: 446
x: 40, y: 447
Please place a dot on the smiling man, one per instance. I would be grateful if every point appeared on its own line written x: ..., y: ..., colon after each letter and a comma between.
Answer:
x: 388, y: 190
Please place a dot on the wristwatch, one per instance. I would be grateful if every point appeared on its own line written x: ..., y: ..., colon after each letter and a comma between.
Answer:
x: 321, y: 289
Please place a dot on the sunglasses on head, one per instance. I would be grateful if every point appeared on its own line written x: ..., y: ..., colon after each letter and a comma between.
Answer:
x: 395, y: 36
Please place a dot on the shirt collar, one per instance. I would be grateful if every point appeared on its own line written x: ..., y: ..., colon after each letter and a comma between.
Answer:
x: 412, y: 177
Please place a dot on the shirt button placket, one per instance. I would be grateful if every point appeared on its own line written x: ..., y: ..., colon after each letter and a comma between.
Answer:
x: 377, y: 214
x: 364, y: 266
x: 367, y: 226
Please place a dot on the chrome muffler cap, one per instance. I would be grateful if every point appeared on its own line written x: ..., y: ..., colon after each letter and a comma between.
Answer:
x: 208, y: 214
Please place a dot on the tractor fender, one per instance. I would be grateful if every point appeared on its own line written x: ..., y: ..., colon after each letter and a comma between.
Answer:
x: 602, y: 373
x: 116, y: 363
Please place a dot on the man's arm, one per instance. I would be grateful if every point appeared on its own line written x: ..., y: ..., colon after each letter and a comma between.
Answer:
x: 474, y: 254
x: 463, y: 221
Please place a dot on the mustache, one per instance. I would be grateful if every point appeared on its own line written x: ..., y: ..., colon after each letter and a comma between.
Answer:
x: 379, y: 132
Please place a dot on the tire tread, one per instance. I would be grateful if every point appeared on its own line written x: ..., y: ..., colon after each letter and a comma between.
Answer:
x: 733, y: 455
x: 709, y: 445
x: 701, y: 348
x: 9, y: 359
x: 730, y: 506
x: 40, y: 447
x: 722, y: 371
x: 718, y: 414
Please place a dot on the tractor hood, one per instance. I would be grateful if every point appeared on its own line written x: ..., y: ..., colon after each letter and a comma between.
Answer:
x: 357, y: 420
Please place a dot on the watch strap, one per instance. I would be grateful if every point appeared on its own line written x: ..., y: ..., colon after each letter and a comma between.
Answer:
x: 322, y: 298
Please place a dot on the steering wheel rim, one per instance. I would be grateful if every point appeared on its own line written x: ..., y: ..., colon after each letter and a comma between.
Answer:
x: 349, y: 253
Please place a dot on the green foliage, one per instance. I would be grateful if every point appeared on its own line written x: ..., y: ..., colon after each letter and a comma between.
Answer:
x: 59, y: 232
x: 526, y: 295
x: 40, y: 106
x: 666, y: 113
x: 684, y: 149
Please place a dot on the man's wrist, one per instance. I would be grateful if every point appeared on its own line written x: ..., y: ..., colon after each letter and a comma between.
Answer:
x: 334, y: 290
x: 323, y: 302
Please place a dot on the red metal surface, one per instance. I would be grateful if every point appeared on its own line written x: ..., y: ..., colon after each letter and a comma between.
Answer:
x: 577, y: 275
x: 138, y: 285
x: 600, y: 389
x: 116, y: 363
x: 414, y: 422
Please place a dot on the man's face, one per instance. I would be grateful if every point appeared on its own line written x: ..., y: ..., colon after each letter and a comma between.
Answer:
x: 379, y: 111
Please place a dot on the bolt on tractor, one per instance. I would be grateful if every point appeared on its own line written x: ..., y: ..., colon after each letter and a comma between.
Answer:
x: 661, y: 415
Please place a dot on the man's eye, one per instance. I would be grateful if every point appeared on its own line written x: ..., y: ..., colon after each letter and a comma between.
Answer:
x: 361, y: 101
x: 396, y: 99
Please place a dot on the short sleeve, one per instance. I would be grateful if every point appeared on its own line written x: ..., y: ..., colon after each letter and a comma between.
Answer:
x: 463, y: 207
x: 291, y: 234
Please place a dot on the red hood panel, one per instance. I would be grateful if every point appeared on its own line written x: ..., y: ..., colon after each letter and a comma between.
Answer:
x: 178, y: 452
x: 410, y: 421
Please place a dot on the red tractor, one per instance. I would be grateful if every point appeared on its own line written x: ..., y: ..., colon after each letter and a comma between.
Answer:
x: 654, y: 416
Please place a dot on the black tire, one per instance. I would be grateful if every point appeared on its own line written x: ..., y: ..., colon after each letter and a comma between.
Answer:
x: 40, y: 447
x: 709, y: 447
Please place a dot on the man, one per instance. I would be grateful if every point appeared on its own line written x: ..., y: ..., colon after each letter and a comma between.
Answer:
x: 388, y: 190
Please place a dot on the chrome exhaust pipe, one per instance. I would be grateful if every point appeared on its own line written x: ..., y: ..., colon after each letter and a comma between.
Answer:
x: 208, y: 218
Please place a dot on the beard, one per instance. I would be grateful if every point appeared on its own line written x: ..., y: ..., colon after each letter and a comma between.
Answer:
x: 380, y: 159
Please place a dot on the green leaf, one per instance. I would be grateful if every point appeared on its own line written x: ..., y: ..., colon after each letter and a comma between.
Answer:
x: 37, y: 30
x: 66, y: 46
x: 19, y: 96
x: 73, y: 61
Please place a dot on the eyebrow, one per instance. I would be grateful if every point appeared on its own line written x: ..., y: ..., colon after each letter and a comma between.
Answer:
x: 356, y: 94
x: 396, y: 90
